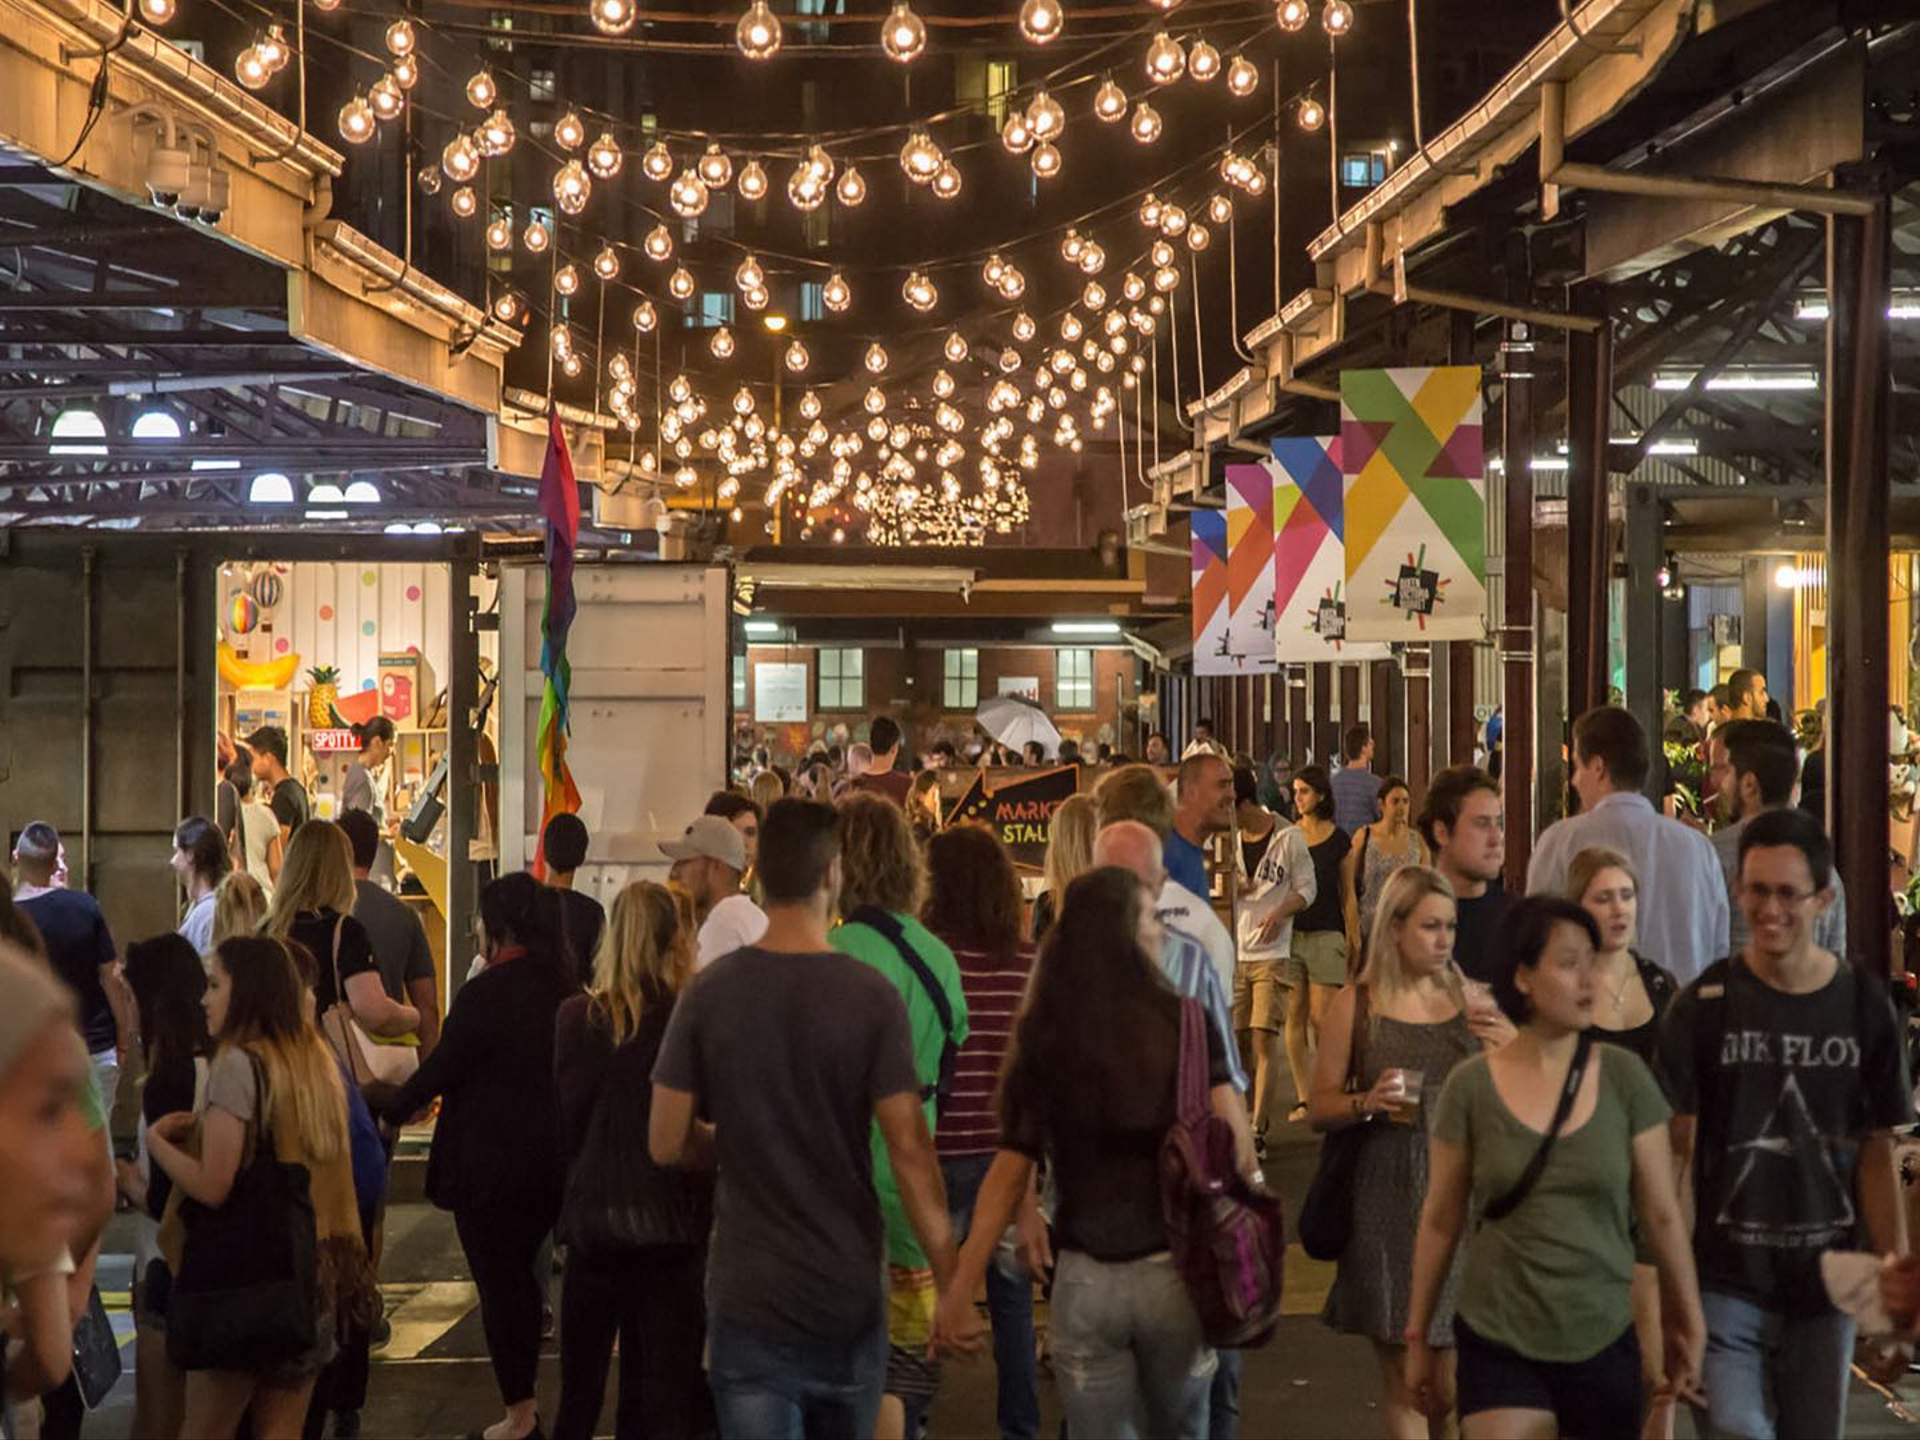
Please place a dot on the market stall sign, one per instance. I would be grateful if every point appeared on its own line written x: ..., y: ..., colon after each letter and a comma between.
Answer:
x: 1020, y: 812
x: 332, y: 742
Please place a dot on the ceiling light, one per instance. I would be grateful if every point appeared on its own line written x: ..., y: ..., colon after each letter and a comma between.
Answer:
x: 1743, y: 377
x: 613, y: 17
x: 1166, y: 61
x: 903, y: 35
x: 270, y: 487
x: 1146, y: 123
x: 1086, y: 627
x: 156, y: 425
x: 758, y: 33
x: 1109, y: 102
x: 1203, y: 62
x: 1337, y: 18
x: 1041, y: 20
x: 482, y: 91
x: 752, y: 183
x: 1814, y: 305
x: 761, y: 627
x: 1243, y: 76
x: 362, y: 492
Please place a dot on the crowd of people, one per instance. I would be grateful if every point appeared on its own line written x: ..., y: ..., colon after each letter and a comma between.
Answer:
x: 791, y: 1115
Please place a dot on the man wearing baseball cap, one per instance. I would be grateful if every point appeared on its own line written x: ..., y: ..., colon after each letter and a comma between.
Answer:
x: 708, y: 861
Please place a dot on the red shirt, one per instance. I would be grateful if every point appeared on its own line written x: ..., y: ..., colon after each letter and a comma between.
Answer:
x: 894, y: 785
x: 994, y: 986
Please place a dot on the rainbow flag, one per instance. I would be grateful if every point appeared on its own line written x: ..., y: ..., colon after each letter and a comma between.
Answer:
x: 560, y: 505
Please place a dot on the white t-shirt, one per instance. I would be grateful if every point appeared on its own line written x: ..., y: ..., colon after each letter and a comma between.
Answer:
x: 259, y: 828
x: 1187, y: 912
x: 734, y: 922
x: 1285, y: 869
x: 198, y: 925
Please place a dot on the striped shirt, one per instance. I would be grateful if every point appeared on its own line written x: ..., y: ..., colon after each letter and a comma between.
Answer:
x: 994, y: 986
x: 1193, y: 975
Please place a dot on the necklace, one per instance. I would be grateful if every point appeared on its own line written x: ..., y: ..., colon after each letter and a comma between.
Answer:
x: 1620, y: 995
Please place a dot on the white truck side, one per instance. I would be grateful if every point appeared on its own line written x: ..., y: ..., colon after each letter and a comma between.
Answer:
x: 651, y: 655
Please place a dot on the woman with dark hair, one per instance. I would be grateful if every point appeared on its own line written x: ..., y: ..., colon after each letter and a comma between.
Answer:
x: 1378, y: 850
x: 271, y: 1075
x: 1559, y: 1145
x: 201, y: 861
x: 1316, y: 966
x: 1090, y: 1085
x: 376, y: 744
x: 496, y: 1161
x: 257, y: 846
x: 169, y: 983
x: 974, y: 905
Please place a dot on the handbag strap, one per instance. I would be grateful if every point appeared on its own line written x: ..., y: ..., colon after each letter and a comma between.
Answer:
x: 339, y: 990
x: 1356, y: 1038
x: 1576, y: 1072
x: 1190, y: 1082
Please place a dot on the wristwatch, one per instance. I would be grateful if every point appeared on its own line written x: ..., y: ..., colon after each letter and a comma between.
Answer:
x: 1360, y: 1113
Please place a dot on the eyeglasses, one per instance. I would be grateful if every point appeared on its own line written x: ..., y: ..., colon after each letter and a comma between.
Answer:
x: 1788, y: 897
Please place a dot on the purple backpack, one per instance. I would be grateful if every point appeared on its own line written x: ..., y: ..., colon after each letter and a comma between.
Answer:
x: 1227, y: 1238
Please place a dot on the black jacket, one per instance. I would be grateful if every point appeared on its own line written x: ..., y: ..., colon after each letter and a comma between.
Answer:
x: 498, y: 1138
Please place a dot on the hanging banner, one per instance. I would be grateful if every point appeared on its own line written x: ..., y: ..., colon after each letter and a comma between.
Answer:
x: 1211, y: 652
x: 1309, y: 553
x: 1412, y: 459
x: 1250, y: 567
x: 1020, y: 812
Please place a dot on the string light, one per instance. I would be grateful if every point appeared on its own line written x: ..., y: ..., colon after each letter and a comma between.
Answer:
x: 1166, y: 61
x: 1094, y: 296
x: 836, y: 294
x: 875, y: 359
x: 1041, y: 20
x: 1243, y: 76
x: 852, y: 188
x: 495, y: 135
x: 752, y: 183
x: 1337, y: 18
x: 1173, y: 220
x: 657, y: 163
x: 1146, y: 123
x: 758, y: 33
x: 658, y: 244
x: 874, y: 402
x: 721, y: 345
x: 919, y: 291
x: 1046, y: 160
x: 157, y: 12
x: 571, y: 187
x: 499, y: 235
x: 1219, y: 209
x: 688, y: 195
x: 250, y: 69
x: 956, y: 347
x: 356, y: 121
x: 1311, y: 115
x: 387, y: 98
x: 1024, y: 328
x: 506, y: 307
x: 797, y: 358
x: 715, y: 167
x: 680, y: 283
x: 942, y: 384
x: 807, y: 187
x: 566, y: 280
x: 1203, y: 61
x: 569, y: 132
x: 903, y: 35
x: 429, y: 177
x: 273, y: 49
x: 1292, y: 15
x: 1045, y: 118
x: 749, y: 275
x: 1161, y: 253
x: 1109, y: 102
x: 606, y: 264
x: 1016, y: 135
x: 1198, y: 237
x: 604, y: 156
x: 645, y: 317
x: 464, y: 202
x: 612, y: 17
x: 946, y: 181
x: 400, y: 38
x: 481, y: 90
x: 536, y: 237
x: 921, y: 158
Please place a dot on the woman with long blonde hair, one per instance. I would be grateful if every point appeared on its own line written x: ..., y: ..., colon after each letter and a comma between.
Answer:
x: 239, y: 906
x: 1388, y: 1043
x: 1069, y: 856
x: 637, y: 1232
x: 271, y: 1069
x: 313, y: 906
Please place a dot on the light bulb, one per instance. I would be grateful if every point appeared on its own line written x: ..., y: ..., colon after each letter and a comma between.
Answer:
x: 920, y: 292
x: 400, y: 38
x: 749, y: 274
x: 715, y: 167
x: 464, y: 202
x: 1292, y: 14
x: 680, y: 283
x: 606, y: 264
x: 613, y: 17
x: 1023, y: 327
x: 566, y: 280
x: 688, y: 195
x: 875, y: 359
x: 1146, y: 123
x: 495, y: 135
x: 356, y: 121
x: 1161, y: 253
x: 387, y: 98
x: 1173, y: 220
x: 874, y: 402
x: 921, y: 158
x: 836, y: 294
x: 481, y: 91
x: 1337, y: 17
x: 1016, y: 134
x: 644, y: 316
x: 461, y: 158
x: 1012, y: 283
x: 1203, y: 61
x: 743, y: 401
x: 1243, y: 76
x: 808, y: 186
x: 1045, y: 117
x: 1166, y: 278
x: 506, y: 307
x: 1132, y: 286
x: 429, y: 178
x: 956, y: 346
x: 796, y: 357
x: 1311, y: 115
x: 536, y: 237
x: 1093, y: 259
x: 499, y: 235
x: 752, y: 182
x: 1166, y: 61
x: 1198, y: 237
x: 658, y: 244
x: 157, y: 12
x: 657, y: 163
x: 250, y: 69
x: 809, y: 406
x: 1041, y: 20
x: 273, y: 49
x: 1094, y: 295
x: 604, y: 156
x: 572, y: 187
x: 758, y: 33
x: 1219, y: 209
x: 946, y: 180
x: 1109, y: 102
x: 1046, y: 160
x: 721, y: 345
x: 903, y: 34
x: 569, y: 132
x: 852, y: 188
x: 942, y: 384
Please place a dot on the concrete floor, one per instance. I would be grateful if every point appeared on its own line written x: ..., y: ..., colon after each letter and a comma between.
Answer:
x: 433, y: 1380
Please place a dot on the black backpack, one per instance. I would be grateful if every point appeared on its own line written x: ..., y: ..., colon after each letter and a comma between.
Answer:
x: 879, y: 921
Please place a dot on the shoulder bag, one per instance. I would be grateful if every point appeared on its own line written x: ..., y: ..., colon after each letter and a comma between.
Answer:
x: 1326, y: 1215
x: 1228, y: 1239
x: 367, y: 1061
x: 96, y: 1353
x: 1506, y: 1204
x: 246, y: 1294
x: 881, y: 923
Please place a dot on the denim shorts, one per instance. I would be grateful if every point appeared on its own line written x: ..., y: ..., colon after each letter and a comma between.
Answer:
x: 1599, y: 1396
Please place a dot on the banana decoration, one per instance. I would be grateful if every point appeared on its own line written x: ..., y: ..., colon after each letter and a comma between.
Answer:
x: 241, y: 674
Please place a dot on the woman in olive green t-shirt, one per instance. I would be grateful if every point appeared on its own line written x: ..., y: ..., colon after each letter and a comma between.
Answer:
x: 1545, y: 1317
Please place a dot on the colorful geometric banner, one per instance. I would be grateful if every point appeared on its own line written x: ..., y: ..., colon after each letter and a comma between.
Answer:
x: 1211, y: 654
x: 1416, y: 506
x: 1309, y: 553
x: 1250, y: 567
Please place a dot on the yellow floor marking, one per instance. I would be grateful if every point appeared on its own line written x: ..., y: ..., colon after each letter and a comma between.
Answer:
x: 429, y: 1312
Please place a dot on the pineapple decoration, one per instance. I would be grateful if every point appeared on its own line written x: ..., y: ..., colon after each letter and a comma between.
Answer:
x: 321, y: 699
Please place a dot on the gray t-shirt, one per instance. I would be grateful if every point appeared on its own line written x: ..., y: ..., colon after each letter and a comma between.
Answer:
x: 787, y: 1056
x: 233, y: 1085
x: 399, y: 940
x: 1829, y: 927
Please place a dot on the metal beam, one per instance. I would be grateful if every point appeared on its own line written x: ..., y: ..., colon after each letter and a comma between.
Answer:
x: 91, y: 302
x: 1589, y: 548
x: 1645, y: 600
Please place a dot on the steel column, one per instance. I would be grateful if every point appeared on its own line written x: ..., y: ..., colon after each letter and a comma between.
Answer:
x: 1859, y: 389
x: 1589, y: 553
x: 1391, y: 745
x: 1645, y: 552
x: 1458, y: 680
x: 1516, y: 630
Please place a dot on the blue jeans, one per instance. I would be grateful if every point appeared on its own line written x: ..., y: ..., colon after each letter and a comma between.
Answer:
x: 1128, y: 1350
x: 766, y: 1389
x: 1009, y: 1304
x: 1771, y: 1374
x: 1223, y: 1403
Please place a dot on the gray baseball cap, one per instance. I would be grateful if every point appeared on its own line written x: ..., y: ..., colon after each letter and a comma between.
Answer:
x: 712, y: 838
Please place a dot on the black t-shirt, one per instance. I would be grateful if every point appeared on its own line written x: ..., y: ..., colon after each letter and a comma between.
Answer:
x: 1327, y: 911
x: 315, y: 930
x: 290, y: 805
x: 1785, y: 1088
x: 168, y: 1088
x: 581, y: 921
x: 1478, y: 919
x: 78, y: 945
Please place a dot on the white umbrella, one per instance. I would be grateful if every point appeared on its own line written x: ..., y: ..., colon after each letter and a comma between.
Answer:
x: 1014, y: 721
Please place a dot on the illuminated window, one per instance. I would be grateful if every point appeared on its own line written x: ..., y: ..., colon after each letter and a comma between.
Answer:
x: 541, y: 84
x: 842, y: 676
x: 711, y: 308
x: 1073, y: 679
x: 961, y: 690
x: 740, y: 682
